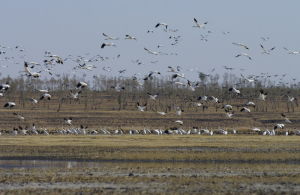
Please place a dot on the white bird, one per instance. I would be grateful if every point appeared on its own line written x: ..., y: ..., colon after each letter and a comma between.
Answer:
x: 81, y: 85
x: 255, y: 129
x: 250, y: 104
x: 234, y: 90
x: 241, y: 45
x: 151, y: 52
x: 245, y: 109
x: 161, y: 24
x: 214, y: 99
x: 249, y: 79
x: 43, y: 90
x: 68, y: 121
x: 140, y: 107
x: 33, y: 74
x: 179, y: 122
x: 9, y: 105
x: 229, y: 115
x: 107, y: 37
x: 19, y: 116
x: 153, y: 97
x: 130, y: 37
x: 162, y: 113
x: 45, y: 96
x: 262, y: 95
x: 266, y: 51
x: 198, y: 25
x: 279, y: 126
x: 179, y: 111
x: 291, y: 52
x: 4, y: 87
x: 107, y: 44
x: 227, y: 107
x: 75, y: 95
x: 286, y: 119
x: 244, y: 54
x: 33, y: 101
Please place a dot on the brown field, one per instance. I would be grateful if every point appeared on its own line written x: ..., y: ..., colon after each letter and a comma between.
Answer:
x: 239, y: 164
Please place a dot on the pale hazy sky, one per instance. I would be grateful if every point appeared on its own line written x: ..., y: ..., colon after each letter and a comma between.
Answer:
x: 75, y: 27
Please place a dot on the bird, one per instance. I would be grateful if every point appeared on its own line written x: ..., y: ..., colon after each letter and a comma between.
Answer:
x: 161, y: 24
x: 107, y: 44
x: 279, y: 126
x: 227, y: 107
x: 266, y: 51
x: 19, y: 116
x: 179, y: 111
x: 81, y: 85
x: 291, y: 52
x: 250, y: 104
x: 68, y: 121
x: 162, y: 113
x: 140, y: 107
x: 180, y: 122
x: 151, y: 52
x: 262, y: 95
x: 214, y: 99
x: 234, y: 91
x: 130, y: 37
x: 45, y: 96
x: 75, y: 95
x: 9, y: 105
x: 245, y: 109
x: 152, y: 96
x: 29, y: 73
x: 244, y: 54
x: 286, y: 119
x: 107, y: 37
x: 33, y: 101
x: 241, y: 45
x: 229, y: 115
x: 4, y: 87
x: 198, y: 25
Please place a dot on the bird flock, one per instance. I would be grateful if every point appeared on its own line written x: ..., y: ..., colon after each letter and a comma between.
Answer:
x: 176, y: 74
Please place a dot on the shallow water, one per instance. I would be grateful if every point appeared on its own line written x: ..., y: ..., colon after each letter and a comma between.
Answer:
x: 27, y: 164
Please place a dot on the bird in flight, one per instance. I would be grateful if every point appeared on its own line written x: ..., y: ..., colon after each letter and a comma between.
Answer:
x: 199, y: 25
x: 241, y: 45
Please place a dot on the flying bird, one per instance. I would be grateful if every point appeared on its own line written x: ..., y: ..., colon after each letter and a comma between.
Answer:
x: 241, y: 45
x: 244, y: 54
x: 151, y: 52
x: 107, y: 44
x: 199, y: 25
x: 140, y: 107
x: 107, y: 37
x: 161, y: 24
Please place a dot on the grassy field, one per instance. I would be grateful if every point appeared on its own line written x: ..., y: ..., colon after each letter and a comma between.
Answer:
x: 154, y: 164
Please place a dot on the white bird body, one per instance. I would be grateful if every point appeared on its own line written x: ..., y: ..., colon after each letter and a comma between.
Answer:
x: 245, y: 109
x: 151, y: 52
x: 162, y: 113
x: 9, y: 104
x: 241, y: 45
x: 130, y: 37
x: 199, y: 25
x: 33, y: 74
x: 107, y: 37
x: 141, y: 108
x: 179, y: 122
x: 45, y: 96
x: 244, y: 54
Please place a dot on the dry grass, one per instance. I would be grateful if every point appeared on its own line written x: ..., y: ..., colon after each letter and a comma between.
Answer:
x: 158, y: 164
